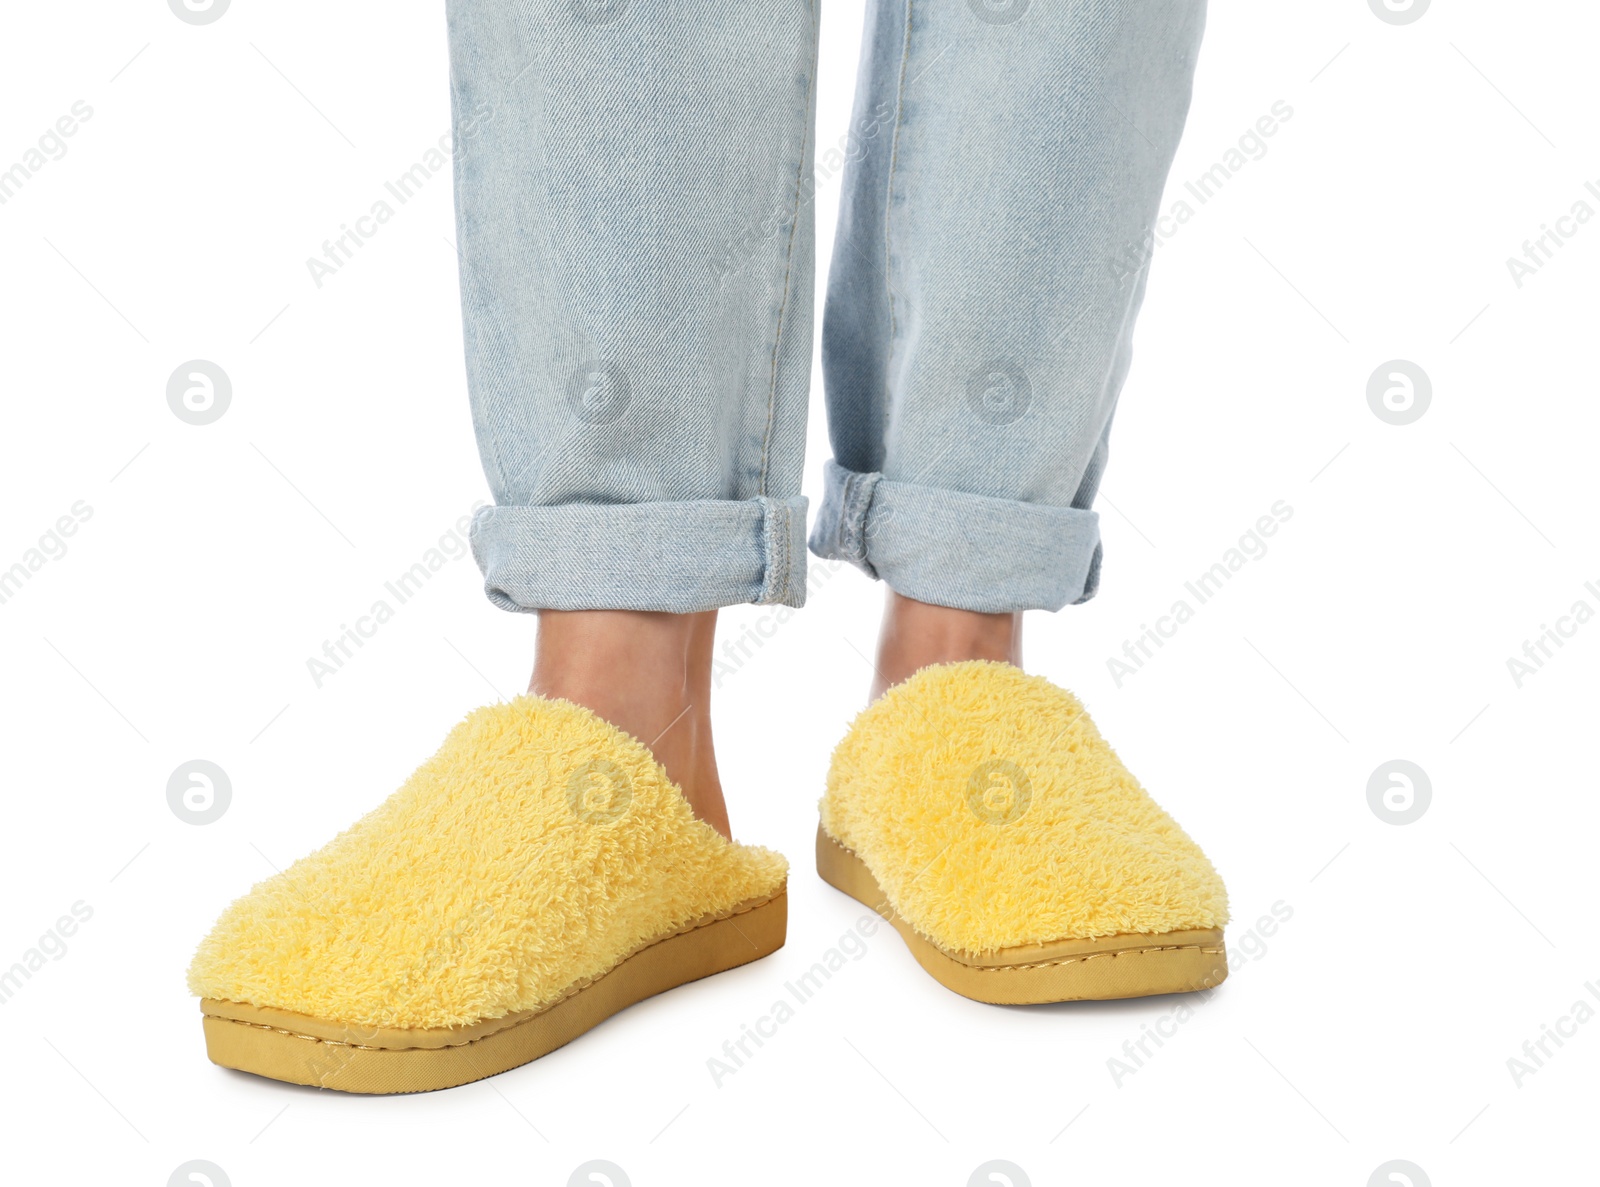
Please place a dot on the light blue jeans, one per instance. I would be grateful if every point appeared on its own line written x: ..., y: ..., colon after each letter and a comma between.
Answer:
x: 634, y: 197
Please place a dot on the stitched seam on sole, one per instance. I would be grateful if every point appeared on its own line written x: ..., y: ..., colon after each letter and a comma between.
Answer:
x: 1045, y: 964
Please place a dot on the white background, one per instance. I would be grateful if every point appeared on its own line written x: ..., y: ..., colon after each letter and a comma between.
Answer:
x: 1377, y: 1023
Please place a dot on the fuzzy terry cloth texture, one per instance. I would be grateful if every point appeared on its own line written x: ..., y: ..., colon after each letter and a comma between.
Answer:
x: 992, y: 813
x: 538, y: 848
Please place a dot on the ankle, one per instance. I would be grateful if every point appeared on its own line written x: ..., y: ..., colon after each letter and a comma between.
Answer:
x: 616, y: 657
x: 915, y: 634
x: 648, y: 674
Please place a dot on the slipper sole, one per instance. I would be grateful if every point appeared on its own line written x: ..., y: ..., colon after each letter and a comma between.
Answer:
x: 1059, y: 971
x: 299, y: 1049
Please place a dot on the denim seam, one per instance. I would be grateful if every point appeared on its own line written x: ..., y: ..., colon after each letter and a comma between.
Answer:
x: 852, y: 519
x: 780, y: 563
x: 888, y: 194
x: 775, y: 584
x: 788, y: 266
x: 856, y: 501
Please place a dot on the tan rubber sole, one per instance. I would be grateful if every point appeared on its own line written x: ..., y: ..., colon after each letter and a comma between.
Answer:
x: 1060, y: 971
x: 299, y: 1049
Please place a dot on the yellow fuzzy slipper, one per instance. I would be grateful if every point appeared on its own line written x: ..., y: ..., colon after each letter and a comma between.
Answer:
x: 979, y: 810
x: 536, y: 875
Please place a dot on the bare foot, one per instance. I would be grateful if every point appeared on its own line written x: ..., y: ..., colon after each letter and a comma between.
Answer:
x: 915, y: 634
x: 648, y: 674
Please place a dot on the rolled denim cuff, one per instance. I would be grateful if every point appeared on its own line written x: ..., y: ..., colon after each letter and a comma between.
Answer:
x: 677, y: 557
x: 950, y: 548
